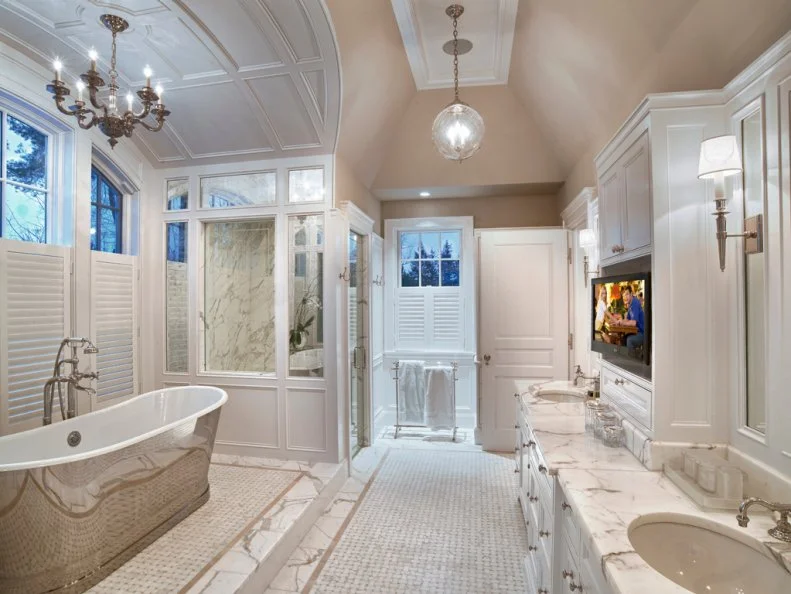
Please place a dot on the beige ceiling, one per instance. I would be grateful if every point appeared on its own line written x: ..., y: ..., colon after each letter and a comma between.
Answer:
x: 578, y: 69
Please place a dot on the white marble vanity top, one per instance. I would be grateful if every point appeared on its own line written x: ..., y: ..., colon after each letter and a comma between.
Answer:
x: 608, y: 489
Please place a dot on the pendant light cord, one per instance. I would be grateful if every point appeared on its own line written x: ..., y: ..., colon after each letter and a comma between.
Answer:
x: 456, y: 57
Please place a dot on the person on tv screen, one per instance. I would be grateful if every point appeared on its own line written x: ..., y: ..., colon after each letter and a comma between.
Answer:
x: 634, y: 317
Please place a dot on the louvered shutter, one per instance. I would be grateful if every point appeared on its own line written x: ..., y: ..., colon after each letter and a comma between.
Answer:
x: 114, y: 306
x: 34, y: 318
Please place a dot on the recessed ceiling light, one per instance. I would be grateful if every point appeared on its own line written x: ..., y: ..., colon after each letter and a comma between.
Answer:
x: 425, y: 194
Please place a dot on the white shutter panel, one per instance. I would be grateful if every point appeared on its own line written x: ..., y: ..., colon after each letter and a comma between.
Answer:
x: 448, y: 326
x: 34, y: 318
x: 411, y: 319
x: 114, y: 325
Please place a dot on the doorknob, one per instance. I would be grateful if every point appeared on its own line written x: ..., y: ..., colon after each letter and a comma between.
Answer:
x: 486, y: 359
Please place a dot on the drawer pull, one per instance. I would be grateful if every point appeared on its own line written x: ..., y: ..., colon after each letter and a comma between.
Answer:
x: 516, y: 426
x: 531, y: 548
x: 516, y: 395
x: 567, y: 574
x: 565, y: 506
x: 543, y: 533
x: 573, y: 587
x: 542, y: 468
x: 533, y: 499
x: 543, y: 591
x: 529, y: 444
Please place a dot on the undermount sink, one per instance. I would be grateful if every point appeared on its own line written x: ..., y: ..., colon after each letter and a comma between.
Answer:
x: 560, y: 392
x: 706, y: 557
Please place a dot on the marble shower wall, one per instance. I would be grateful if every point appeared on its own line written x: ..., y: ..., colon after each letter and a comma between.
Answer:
x: 239, y: 324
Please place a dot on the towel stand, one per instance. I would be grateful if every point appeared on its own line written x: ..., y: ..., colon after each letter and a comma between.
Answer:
x: 398, y: 425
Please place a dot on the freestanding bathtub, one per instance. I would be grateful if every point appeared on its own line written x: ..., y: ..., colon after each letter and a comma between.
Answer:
x: 81, y: 497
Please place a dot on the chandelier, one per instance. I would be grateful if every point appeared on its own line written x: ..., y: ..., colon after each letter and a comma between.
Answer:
x: 458, y: 129
x: 106, y: 115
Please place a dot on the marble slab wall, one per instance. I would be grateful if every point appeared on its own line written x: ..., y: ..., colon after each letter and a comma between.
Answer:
x: 177, y: 347
x: 239, y: 296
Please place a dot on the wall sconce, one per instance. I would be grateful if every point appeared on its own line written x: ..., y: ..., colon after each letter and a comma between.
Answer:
x: 587, y: 241
x: 719, y: 158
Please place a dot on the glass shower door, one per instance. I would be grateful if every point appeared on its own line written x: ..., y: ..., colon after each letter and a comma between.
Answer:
x: 358, y: 437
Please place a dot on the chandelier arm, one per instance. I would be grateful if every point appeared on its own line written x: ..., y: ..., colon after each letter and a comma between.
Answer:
x: 61, y: 109
x: 143, y: 114
x: 92, y: 95
x: 157, y: 128
x: 81, y: 118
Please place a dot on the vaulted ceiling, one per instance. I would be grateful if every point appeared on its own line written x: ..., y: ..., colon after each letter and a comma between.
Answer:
x: 244, y: 79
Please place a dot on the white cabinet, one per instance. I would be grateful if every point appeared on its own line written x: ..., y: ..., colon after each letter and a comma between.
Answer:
x: 625, y: 204
x: 631, y: 395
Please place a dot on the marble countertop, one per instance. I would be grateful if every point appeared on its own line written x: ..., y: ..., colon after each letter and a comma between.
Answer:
x: 609, y: 488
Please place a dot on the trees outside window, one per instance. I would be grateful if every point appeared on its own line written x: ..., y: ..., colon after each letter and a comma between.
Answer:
x: 24, y: 180
x: 106, y: 214
x: 430, y: 259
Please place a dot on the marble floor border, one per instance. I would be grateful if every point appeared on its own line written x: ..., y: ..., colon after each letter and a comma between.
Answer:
x: 317, y: 570
x: 248, y: 527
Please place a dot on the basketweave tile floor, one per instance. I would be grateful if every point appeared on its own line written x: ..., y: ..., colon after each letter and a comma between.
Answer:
x: 254, y: 503
x: 416, y: 515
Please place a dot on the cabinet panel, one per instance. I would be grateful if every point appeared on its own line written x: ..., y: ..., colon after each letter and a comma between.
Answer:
x: 628, y: 396
x: 637, y: 195
x: 611, y: 235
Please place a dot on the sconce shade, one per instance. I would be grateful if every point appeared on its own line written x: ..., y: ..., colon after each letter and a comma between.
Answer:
x: 719, y: 156
x: 587, y: 238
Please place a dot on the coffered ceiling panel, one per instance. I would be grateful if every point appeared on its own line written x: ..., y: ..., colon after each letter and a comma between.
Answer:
x: 247, y: 78
x: 293, y: 128
x: 488, y: 24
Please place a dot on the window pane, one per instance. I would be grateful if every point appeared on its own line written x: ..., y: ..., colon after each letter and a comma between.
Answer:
x: 178, y: 194
x: 409, y: 246
x: 110, y: 196
x: 306, y: 185
x: 429, y: 273
x: 26, y: 154
x: 176, y: 300
x: 110, y: 236
x: 94, y: 185
x: 25, y: 214
x: 410, y: 273
x: 305, y: 342
x: 429, y: 245
x: 239, y: 296
x: 94, y: 229
x: 246, y: 189
x: 450, y: 245
x: 450, y: 273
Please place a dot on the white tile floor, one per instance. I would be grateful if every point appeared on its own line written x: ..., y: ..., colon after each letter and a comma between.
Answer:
x: 418, y: 514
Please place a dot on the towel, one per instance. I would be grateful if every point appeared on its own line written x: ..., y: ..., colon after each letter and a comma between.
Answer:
x: 439, y: 397
x: 411, y: 392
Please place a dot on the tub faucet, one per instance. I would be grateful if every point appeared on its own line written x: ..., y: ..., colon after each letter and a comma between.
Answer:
x: 72, y: 380
x: 782, y: 530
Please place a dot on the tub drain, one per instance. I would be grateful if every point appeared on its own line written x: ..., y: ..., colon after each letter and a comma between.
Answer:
x: 74, y: 439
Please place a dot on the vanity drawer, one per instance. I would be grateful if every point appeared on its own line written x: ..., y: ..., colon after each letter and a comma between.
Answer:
x: 628, y: 396
x: 568, y: 524
x: 546, y: 530
x: 538, y: 465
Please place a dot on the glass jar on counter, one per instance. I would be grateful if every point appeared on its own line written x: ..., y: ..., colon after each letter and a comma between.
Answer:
x: 612, y: 436
x: 593, y: 406
x: 603, y: 419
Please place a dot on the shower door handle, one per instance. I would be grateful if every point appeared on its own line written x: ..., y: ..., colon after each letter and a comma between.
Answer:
x: 358, y: 358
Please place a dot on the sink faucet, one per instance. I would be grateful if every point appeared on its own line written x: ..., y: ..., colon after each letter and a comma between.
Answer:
x: 579, y: 376
x: 72, y: 380
x: 782, y: 531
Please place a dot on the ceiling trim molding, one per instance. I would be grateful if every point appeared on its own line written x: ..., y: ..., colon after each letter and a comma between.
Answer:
x: 415, y: 44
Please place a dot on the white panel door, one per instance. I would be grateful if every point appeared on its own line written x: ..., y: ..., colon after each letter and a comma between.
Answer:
x: 524, y: 322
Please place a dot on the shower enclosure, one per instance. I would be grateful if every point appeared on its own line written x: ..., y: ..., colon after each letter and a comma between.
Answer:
x: 358, y: 325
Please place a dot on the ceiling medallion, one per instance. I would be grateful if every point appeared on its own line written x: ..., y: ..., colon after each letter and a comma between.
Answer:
x: 458, y: 129
x: 105, y: 115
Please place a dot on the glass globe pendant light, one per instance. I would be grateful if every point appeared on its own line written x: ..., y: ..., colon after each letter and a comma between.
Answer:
x: 458, y: 129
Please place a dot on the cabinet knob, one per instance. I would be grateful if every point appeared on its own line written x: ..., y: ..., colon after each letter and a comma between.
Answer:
x: 533, y: 499
x: 573, y: 587
x: 543, y: 591
x: 542, y: 468
x: 565, y: 506
x: 529, y: 444
x: 543, y: 533
x: 567, y: 574
x: 531, y: 548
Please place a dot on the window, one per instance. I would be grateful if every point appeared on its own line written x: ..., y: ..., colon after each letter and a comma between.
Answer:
x: 429, y: 259
x: 106, y: 214
x: 24, y: 180
x: 246, y: 189
x: 176, y: 299
x: 306, y: 185
x: 178, y: 194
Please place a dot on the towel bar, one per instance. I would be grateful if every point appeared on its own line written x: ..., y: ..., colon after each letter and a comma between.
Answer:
x: 398, y: 425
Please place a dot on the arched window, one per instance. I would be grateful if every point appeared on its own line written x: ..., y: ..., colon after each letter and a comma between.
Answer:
x: 25, y: 180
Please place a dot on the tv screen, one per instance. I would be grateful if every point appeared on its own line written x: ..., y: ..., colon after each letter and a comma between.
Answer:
x: 621, y: 317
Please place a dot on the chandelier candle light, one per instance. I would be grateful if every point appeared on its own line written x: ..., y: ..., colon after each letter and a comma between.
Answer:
x: 106, y: 116
x: 458, y: 129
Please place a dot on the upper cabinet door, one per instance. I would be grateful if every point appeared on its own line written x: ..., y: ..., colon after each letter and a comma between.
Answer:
x: 610, y: 213
x: 636, y: 170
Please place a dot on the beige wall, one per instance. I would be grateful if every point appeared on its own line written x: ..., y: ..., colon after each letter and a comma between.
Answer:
x: 349, y: 188
x: 377, y: 81
x: 513, y: 149
x: 488, y: 212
